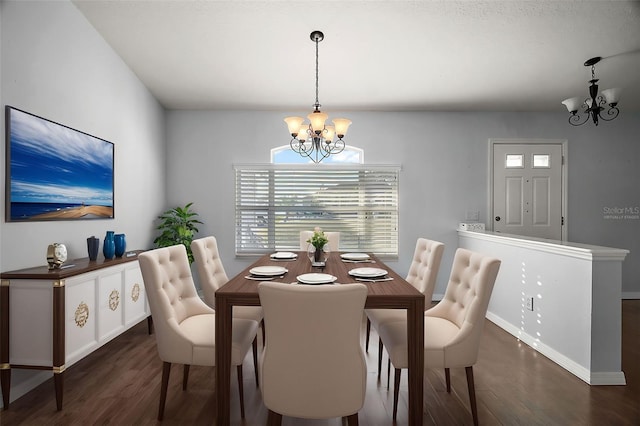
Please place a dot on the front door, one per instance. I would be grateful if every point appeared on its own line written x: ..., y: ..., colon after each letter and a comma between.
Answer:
x: 527, y: 189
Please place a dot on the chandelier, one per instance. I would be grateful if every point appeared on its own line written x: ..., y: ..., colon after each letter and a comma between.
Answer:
x: 314, y: 140
x: 595, y: 105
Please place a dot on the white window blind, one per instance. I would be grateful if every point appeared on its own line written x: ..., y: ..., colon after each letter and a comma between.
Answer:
x: 275, y: 202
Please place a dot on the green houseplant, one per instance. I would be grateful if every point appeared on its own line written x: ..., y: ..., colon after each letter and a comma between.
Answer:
x: 178, y: 226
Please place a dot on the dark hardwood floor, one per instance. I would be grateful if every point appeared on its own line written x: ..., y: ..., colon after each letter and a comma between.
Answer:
x: 119, y: 385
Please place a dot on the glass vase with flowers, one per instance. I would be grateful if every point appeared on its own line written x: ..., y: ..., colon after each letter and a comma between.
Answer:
x: 318, y: 248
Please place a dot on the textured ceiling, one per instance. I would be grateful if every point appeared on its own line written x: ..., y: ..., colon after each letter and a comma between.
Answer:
x: 376, y: 55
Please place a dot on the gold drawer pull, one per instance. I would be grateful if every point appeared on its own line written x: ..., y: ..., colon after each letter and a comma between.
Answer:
x: 82, y: 314
x: 135, y: 292
x: 114, y: 300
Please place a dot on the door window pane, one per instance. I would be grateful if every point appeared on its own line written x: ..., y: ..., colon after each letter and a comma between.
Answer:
x: 514, y: 161
x: 541, y: 161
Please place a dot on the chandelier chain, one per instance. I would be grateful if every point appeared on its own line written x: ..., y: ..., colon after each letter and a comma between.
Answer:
x: 317, y: 105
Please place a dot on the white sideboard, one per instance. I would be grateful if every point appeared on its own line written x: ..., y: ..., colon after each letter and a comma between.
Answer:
x: 51, y: 319
x: 576, y: 315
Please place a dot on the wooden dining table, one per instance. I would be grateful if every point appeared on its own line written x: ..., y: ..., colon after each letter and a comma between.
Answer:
x: 393, y: 294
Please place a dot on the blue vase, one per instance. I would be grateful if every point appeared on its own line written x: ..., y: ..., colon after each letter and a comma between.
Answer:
x: 120, y: 244
x: 109, y: 245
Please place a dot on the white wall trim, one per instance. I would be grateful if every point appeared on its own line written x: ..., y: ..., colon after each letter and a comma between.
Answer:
x: 596, y: 378
x: 576, y: 250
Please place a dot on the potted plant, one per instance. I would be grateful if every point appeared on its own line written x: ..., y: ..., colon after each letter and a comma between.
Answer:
x: 178, y: 226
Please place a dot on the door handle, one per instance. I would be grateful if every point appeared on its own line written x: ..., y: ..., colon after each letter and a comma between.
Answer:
x: 497, y: 218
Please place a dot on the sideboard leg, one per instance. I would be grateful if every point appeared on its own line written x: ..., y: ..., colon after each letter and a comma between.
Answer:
x: 5, y: 379
x: 58, y: 382
x: 150, y: 324
x: 5, y: 367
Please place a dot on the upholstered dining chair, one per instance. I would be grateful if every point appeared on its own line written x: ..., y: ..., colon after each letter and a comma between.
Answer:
x: 184, y: 324
x: 422, y: 275
x: 333, y: 237
x: 452, y: 328
x: 213, y: 276
x: 313, y: 364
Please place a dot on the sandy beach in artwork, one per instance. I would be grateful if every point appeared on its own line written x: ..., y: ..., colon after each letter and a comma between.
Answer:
x: 76, y: 213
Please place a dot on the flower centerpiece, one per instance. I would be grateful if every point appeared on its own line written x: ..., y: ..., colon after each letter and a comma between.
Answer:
x: 318, y: 240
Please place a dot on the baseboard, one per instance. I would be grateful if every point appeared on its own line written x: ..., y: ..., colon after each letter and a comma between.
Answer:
x: 592, y: 378
x: 630, y: 295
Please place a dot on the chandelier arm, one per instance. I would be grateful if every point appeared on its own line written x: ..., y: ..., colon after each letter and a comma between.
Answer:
x: 578, y: 120
x: 611, y: 113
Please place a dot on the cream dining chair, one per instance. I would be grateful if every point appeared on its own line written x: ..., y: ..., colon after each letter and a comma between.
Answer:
x: 184, y: 324
x: 452, y: 328
x: 313, y: 364
x: 422, y: 275
x: 213, y: 276
x: 333, y: 237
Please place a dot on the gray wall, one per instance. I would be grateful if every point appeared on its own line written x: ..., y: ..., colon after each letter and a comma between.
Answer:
x: 444, y: 159
x: 55, y: 65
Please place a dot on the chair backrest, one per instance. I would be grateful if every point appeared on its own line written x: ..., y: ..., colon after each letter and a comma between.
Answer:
x: 424, y: 268
x: 210, y: 269
x: 172, y: 298
x: 466, y: 300
x: 333, y: 237
x: 313, y: 364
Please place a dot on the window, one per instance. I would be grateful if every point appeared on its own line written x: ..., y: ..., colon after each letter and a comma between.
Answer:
x: 541, y: 161
x: 275, y: 202
x: 514, y: 161
x: 285, y: 155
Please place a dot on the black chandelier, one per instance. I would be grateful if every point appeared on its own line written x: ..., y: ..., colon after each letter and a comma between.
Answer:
x: 315, y: 140
x: 595, y: 106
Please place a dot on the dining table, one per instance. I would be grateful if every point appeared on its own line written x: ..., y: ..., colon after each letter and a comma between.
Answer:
x: 393, y: 293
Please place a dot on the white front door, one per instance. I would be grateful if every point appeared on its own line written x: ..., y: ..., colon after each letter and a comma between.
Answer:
x: 527, y: 189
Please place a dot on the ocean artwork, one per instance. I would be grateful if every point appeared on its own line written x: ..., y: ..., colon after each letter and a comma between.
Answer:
x: 56, y: 172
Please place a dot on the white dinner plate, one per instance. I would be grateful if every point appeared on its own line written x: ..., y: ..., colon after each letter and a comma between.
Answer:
x: 355, y: 256
x: 367, y: 272
x: 267, y: 271
x: 316, y: 278
x: 284, y: 255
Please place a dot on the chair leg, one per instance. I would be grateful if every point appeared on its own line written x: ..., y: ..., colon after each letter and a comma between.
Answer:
x: 396, y: 391
x: 274, y: 419
x: 472, y: 394
x: 240, y: 390
x: 352, y: 420
x: 447, y: 378
x: 166, y: 370
x: 380, y: 346
x: 185, y: 377
x: 255, y: 359
x: 366, y: 345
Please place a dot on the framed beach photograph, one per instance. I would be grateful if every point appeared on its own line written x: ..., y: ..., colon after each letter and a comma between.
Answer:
x: 54, y: 172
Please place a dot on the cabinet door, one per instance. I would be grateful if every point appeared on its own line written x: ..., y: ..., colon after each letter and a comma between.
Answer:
x: 110, y: 311
x: 135, y: 298
x: 81, y: 321
x: 31, y: 325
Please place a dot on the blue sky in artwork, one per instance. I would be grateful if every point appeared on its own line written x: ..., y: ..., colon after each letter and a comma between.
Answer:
x: 51, y: 163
